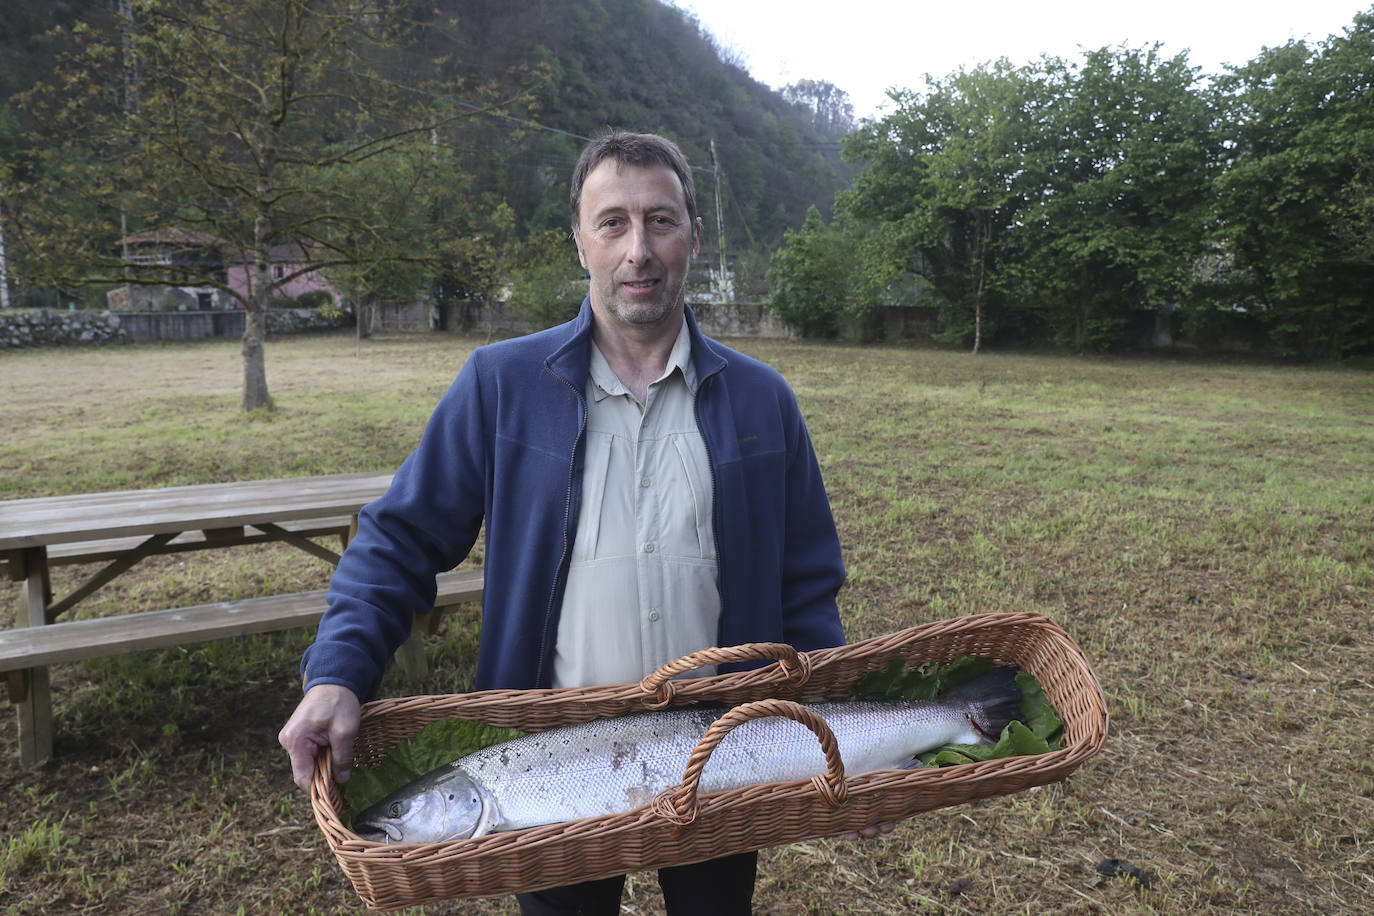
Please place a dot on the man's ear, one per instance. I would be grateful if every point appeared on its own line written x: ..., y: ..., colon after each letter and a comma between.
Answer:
x: 696, y: 237
x: 581, y: 255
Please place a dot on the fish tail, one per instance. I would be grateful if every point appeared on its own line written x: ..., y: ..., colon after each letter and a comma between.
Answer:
x: 993, y: 700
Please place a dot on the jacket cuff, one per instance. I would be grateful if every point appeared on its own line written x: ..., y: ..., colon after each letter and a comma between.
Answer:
x: 342, y: 664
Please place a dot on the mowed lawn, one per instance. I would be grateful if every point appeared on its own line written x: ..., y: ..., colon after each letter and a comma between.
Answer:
x: 1203, y: 528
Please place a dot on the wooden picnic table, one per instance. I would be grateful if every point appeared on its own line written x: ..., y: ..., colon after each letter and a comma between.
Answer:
x: 124, y: 527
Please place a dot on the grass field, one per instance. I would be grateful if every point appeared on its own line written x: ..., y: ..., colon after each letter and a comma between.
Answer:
x: 1204, y: 530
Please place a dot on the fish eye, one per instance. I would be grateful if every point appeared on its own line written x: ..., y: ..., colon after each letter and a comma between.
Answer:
x: 394, y: 809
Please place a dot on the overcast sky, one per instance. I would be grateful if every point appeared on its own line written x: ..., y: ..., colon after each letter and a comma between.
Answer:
x: 865, y: 46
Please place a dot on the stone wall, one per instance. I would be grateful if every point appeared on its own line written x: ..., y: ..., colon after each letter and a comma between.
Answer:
x: 24, y: 328
x: 400, y: 316
x: 716, y: 319
x: 38, y: 328
x: 45, y: 328
x: 733, y: 319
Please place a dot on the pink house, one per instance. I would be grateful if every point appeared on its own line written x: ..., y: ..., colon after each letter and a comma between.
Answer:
x: 287, y: 261
x: 197, y: 268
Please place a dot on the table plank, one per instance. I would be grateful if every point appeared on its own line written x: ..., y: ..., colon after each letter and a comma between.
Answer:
x: 94, y: 516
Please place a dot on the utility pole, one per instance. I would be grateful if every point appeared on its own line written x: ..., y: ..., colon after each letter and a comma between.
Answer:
x: 720, y: 225
x: 4, y: 269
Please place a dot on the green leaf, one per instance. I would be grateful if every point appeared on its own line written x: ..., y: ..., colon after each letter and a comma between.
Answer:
x: 923, y: 682
x: 1039, y: 714
x: 432, y: 746
x: 1042, y: 730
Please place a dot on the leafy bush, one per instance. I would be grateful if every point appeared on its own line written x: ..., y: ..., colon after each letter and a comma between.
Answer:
x: 811, y: 277
x: 315, y: 299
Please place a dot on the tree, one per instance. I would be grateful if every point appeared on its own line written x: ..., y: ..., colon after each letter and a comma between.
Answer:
x: 1299, y: 131
x: 941, y: 185
x: 811, y: 277
x: 232, y: 119
x: 827, y: 105
x: 1355, y: 216
x: 546, y: 285
x: 1122, y: 172
x: 387, y: 247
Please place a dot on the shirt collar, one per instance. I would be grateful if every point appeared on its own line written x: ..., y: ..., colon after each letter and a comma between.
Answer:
x: 607, y: 384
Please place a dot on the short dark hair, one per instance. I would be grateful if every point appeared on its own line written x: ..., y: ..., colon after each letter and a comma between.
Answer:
x: 633, y: 149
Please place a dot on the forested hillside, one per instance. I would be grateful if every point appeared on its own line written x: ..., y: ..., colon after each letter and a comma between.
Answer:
x: 635, y: 64
x: 642, y: 65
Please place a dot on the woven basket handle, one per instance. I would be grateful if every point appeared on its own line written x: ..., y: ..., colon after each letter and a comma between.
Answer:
x: 796, y: 667
x: 679, y: 803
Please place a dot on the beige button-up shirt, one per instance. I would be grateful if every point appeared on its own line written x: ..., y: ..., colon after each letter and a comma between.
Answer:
x: 642, y: 586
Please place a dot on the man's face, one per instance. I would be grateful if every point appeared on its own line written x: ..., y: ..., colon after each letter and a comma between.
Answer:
x: 635, y: 239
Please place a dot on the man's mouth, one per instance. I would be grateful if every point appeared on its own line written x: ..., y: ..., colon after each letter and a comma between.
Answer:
x: 640, y: 286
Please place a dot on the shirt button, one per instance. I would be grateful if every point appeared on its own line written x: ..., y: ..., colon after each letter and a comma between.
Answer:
x: 644, y: 481
x: 649, y: 548
x: 653, y: 615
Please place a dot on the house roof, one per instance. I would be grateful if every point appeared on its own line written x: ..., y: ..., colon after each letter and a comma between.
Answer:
x: 189, y: 240
x: 174, y: 236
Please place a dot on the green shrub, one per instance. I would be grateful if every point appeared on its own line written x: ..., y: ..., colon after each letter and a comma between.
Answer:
x: 315, y: 299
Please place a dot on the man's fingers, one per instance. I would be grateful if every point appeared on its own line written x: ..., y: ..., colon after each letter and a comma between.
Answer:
x: 302, y: 751
x: 869, y: 833
x: 343, y: 760
x: 327, y: 717
x: 303, y: 766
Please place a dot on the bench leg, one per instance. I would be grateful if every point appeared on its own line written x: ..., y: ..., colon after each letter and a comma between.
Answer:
x: 35, y: 707
x: 30, y: 691
x: 411, y: 655
x: 35, y: 718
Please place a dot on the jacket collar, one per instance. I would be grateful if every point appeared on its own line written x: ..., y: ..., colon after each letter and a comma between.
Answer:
x: 571, y: 359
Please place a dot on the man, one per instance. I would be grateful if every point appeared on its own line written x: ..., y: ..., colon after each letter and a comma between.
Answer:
x: 646, y: 492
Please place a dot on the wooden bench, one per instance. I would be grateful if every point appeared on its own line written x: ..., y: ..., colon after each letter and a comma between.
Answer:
x: 27, y: 651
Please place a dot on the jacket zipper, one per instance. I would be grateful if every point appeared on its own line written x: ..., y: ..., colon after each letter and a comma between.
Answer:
x: 715, y: 496
x: 543, y: 672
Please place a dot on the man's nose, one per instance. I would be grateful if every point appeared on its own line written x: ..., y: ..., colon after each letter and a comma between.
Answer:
x: 639, y: 250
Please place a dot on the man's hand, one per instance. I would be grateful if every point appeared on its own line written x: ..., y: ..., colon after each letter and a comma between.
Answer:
x: 869, y: 833
x: 327, y: 716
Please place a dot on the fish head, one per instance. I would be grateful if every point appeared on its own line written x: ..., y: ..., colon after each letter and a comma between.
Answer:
x: 990, y: 701
x: 446, y: 804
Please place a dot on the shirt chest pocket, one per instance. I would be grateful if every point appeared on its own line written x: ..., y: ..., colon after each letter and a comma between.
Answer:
x: 645, y: 498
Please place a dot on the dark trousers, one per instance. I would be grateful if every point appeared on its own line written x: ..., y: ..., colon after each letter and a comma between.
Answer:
x: 718, y: 887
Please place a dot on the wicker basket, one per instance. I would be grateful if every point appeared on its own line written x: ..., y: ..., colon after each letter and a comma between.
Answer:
x: 680, y: 828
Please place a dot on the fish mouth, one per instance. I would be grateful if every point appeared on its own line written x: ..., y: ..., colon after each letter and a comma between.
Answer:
x: 378, y: 833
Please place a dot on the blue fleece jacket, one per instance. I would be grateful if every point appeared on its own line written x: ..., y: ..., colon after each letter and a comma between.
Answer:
x: 505, y: 447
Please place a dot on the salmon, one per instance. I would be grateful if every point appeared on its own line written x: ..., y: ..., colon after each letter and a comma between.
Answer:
x: 615, y: 765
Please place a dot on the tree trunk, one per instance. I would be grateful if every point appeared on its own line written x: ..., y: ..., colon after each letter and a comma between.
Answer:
x: 984, y: 232
x: 255, y: 321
